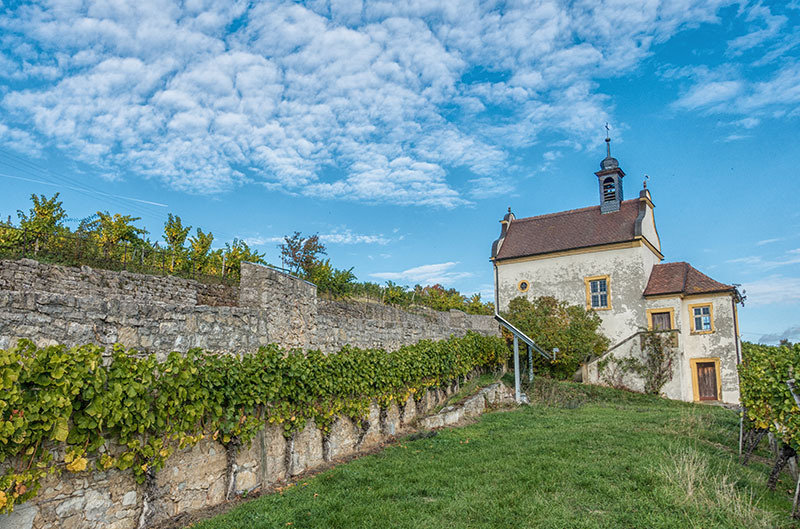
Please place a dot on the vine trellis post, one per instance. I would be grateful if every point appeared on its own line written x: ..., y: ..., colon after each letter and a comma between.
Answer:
x: 792, y: 389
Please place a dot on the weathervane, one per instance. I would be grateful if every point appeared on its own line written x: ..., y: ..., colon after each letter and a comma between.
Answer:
x: 608, y: 143
x: 646, y: 178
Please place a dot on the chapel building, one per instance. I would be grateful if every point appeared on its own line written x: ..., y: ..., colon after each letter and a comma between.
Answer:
x: 608, y: 257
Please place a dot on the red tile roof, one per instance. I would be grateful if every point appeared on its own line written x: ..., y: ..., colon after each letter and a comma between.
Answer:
x: 567, y: 230
x: 681, y: 278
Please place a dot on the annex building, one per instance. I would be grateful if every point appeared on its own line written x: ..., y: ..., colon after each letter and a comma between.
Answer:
x: 608, y: 258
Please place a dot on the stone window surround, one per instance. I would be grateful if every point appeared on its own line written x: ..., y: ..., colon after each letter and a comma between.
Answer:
x: 650, y: 313
x: 524, y: 285
x: 588, y: 284
x: 695, y: 388
x: 693, y: 306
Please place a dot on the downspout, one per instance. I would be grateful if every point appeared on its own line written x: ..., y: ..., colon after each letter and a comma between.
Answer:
x: 736, y: 327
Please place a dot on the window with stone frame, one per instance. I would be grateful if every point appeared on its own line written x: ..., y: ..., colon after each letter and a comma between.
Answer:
x: 702, y: 318
x: 597, y: 292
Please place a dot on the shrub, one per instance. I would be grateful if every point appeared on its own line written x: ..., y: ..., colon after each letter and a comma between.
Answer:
x: 556, y: 324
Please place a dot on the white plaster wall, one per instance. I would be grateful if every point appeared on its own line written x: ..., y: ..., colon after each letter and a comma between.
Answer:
x: 719, y: 344
x: 649, y: 228
x: 563, y: 278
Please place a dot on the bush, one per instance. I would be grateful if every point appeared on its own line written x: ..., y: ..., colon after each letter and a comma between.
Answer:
x: 555, y: 324
x: 67, y: 397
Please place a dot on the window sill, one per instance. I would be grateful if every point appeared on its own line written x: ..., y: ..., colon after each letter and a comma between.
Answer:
x: 701, y: 332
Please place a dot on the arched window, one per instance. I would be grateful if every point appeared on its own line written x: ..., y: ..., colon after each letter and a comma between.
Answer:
x: 609, y: 189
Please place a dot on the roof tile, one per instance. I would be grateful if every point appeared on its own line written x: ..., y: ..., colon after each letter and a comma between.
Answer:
x: 681, y: 278
x: 567, y: 230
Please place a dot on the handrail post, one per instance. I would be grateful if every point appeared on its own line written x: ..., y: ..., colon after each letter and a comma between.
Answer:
x: 517, y: 392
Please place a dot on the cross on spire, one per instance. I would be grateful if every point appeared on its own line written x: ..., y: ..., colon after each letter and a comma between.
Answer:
x: 608, y: 143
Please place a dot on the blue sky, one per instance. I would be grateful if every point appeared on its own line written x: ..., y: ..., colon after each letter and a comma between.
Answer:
x: 401, y: 131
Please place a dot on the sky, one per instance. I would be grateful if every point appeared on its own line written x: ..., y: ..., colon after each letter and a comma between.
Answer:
x: 400, y: 132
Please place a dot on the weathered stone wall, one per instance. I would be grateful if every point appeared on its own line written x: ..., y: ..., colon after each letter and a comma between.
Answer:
x: 55, y: 304
x: 370, y: 325
x: 196, y: 477
x: 27, y: 275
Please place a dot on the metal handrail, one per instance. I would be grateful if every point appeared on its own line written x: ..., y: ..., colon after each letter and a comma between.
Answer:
x: 522, y: 336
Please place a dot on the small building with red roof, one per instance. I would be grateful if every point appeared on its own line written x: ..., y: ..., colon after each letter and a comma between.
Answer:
x: 607, y: 257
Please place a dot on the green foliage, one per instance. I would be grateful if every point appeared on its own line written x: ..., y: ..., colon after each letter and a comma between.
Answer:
x: 556, y: 324
x: 175, y: 234
x: 55, y: 397
x: 300, y: 254
x: 332, y: 281
x: 110, y: 229
x: 764, y: 394
x: 45, y: 218
x: 655, y: 365
x: 199, y: 245
x: 237, y: 252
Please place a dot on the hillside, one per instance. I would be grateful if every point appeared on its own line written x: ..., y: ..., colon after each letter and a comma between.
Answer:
x: 579, y: 457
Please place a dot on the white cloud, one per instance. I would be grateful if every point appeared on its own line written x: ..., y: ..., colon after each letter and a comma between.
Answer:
x: 792, y: 334
x: 486, y: 187
x: 768, y: 241
x: 363, y: 101
x: 774, y: 289
x: 430, y: 274
x: 790, y: 258
x: 348, y: 237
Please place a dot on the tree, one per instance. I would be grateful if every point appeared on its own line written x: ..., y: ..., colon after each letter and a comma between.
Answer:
x: 332, y: 281
x: 237, y: 252
x: 111, y: 230
x: 476, y: 306
x: 200, y: 245
x: 556, y: 324
x: 175, y: 235
x: 44, y: 219
x: 300, y: 254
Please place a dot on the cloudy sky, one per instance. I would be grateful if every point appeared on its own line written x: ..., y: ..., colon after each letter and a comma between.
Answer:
x: 401, y: 131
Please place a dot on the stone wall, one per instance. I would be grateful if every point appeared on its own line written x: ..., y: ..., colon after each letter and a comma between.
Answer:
x: 52, y: 304
x: 196, y: 477
x: 57, y: 304
x: 371, y: 325
x: 27, y: 275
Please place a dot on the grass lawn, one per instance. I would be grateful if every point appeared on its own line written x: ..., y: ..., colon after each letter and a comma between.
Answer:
x: 579, y: 456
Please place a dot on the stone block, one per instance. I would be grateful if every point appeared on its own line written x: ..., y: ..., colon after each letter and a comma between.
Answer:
x: 409, y: 411
x: 474, y: 405
x: 191, y: 479
x: 391, y: 420
x: 371, y: 428
x: 306, y: 449
x: 248, y: 463
x: 274, y: 450
x: 342, y: 439
x: 21, y: 518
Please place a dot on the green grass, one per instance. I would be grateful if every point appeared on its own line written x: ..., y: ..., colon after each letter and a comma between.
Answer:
x: 580, y: 456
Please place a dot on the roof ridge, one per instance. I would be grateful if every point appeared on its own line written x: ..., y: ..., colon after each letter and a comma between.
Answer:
x: 567, y: 212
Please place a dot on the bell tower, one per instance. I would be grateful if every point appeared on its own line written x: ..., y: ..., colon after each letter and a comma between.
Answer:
x: 609, y: 177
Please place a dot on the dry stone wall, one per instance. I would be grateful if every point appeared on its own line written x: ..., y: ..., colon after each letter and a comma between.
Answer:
x: 57, y: 304
x: 196, y: 477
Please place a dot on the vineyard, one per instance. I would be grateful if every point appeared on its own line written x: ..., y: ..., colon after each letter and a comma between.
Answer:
x: 131, y: 412
x: 115, y: 242
x: 771, y: 404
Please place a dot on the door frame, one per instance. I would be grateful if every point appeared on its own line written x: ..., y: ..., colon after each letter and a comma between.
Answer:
x: 695, y: 388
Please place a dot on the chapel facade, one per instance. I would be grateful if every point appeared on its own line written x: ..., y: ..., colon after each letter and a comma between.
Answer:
x: 608, y: 258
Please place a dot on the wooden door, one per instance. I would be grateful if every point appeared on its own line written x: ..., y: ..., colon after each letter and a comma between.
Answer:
x: 707, y: 381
